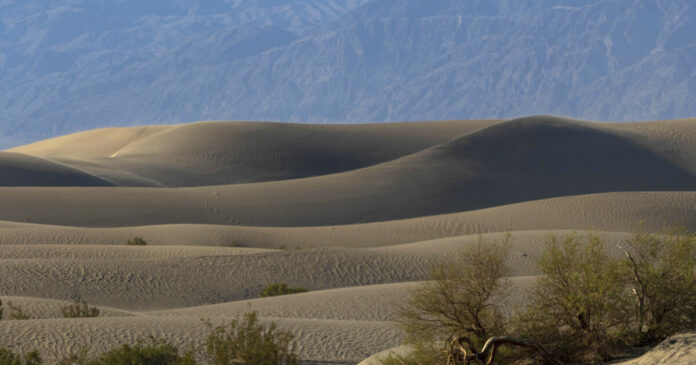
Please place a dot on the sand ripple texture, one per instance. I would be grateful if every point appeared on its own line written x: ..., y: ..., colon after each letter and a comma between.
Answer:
x: 357, y: 214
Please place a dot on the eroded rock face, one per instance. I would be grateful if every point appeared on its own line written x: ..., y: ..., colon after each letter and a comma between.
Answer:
x: 81, y: 65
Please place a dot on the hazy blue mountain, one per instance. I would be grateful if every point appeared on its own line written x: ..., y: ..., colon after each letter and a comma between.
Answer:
x: 77, y: 64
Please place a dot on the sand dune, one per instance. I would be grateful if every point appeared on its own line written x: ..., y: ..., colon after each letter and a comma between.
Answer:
x: 345, y: 324
x: 40, y: 308
x: 519, y: 160
x: 360, y: 303
x: 673, y: 139
x: 315, y: 339
x: 355, y: 213
x: 150, y: 278
x: 97, y: 143
x: 115, y: 278
x: 213, y: 153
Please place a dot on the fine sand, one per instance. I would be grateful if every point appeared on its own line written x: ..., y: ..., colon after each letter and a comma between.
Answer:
x: 356, y: 214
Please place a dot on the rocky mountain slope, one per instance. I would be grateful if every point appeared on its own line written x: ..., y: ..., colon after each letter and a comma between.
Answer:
x: 74, y: 65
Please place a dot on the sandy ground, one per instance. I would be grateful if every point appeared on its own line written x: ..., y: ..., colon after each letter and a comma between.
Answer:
x: 354, y: 213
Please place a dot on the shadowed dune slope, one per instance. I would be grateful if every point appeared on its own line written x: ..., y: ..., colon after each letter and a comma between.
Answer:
x: 213, y: 153
x: 17, y: 169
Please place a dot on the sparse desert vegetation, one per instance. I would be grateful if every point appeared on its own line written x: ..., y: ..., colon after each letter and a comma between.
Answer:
x: 587, y: 306
x: 243, y: 341
x: 276, y: 289
x: 246, y: 341
x: 137, y: 241
x: 409, y: 182
x: 411, y: 195
x: 8, y: 357
x: 79, y: 309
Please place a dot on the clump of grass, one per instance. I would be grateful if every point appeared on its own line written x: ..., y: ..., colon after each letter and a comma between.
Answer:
x: 137, y: 241
x: 79, y: 309
x: 10, y: 358
x: 276, y: 289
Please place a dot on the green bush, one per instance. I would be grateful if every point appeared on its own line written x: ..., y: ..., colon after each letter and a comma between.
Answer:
x: 461, y: 298
x: 588, y: 305
x: 8, y: 357
x: 150, y: 352
x: 79, y: 309
x: 662, y: 272
x: 245, y: 341
x: 580, y: 306
x: 137, y: 241
x: 280, y: 289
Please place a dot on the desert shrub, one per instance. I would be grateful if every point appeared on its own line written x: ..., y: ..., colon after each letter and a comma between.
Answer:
x: 586, y: 307
x: 16, y: 312
x: 580, y: 306
x: 137, y: 241
x: 7, y: 357
x: 246, y: 341
x: 1, y: 310
x: 460, y: 299
x: 150, y: 352
x: 276, y: 289
x: 79, y: 309
x: 662, y: 273
x: 75, y: 358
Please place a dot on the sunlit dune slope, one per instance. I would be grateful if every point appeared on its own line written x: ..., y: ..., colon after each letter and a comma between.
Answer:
x: 212, y: 153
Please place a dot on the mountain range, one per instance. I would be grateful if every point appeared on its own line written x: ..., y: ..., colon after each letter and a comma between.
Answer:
x: 73, y: 65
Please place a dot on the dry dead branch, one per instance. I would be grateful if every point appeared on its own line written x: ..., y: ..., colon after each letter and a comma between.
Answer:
x: 459, y: 355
